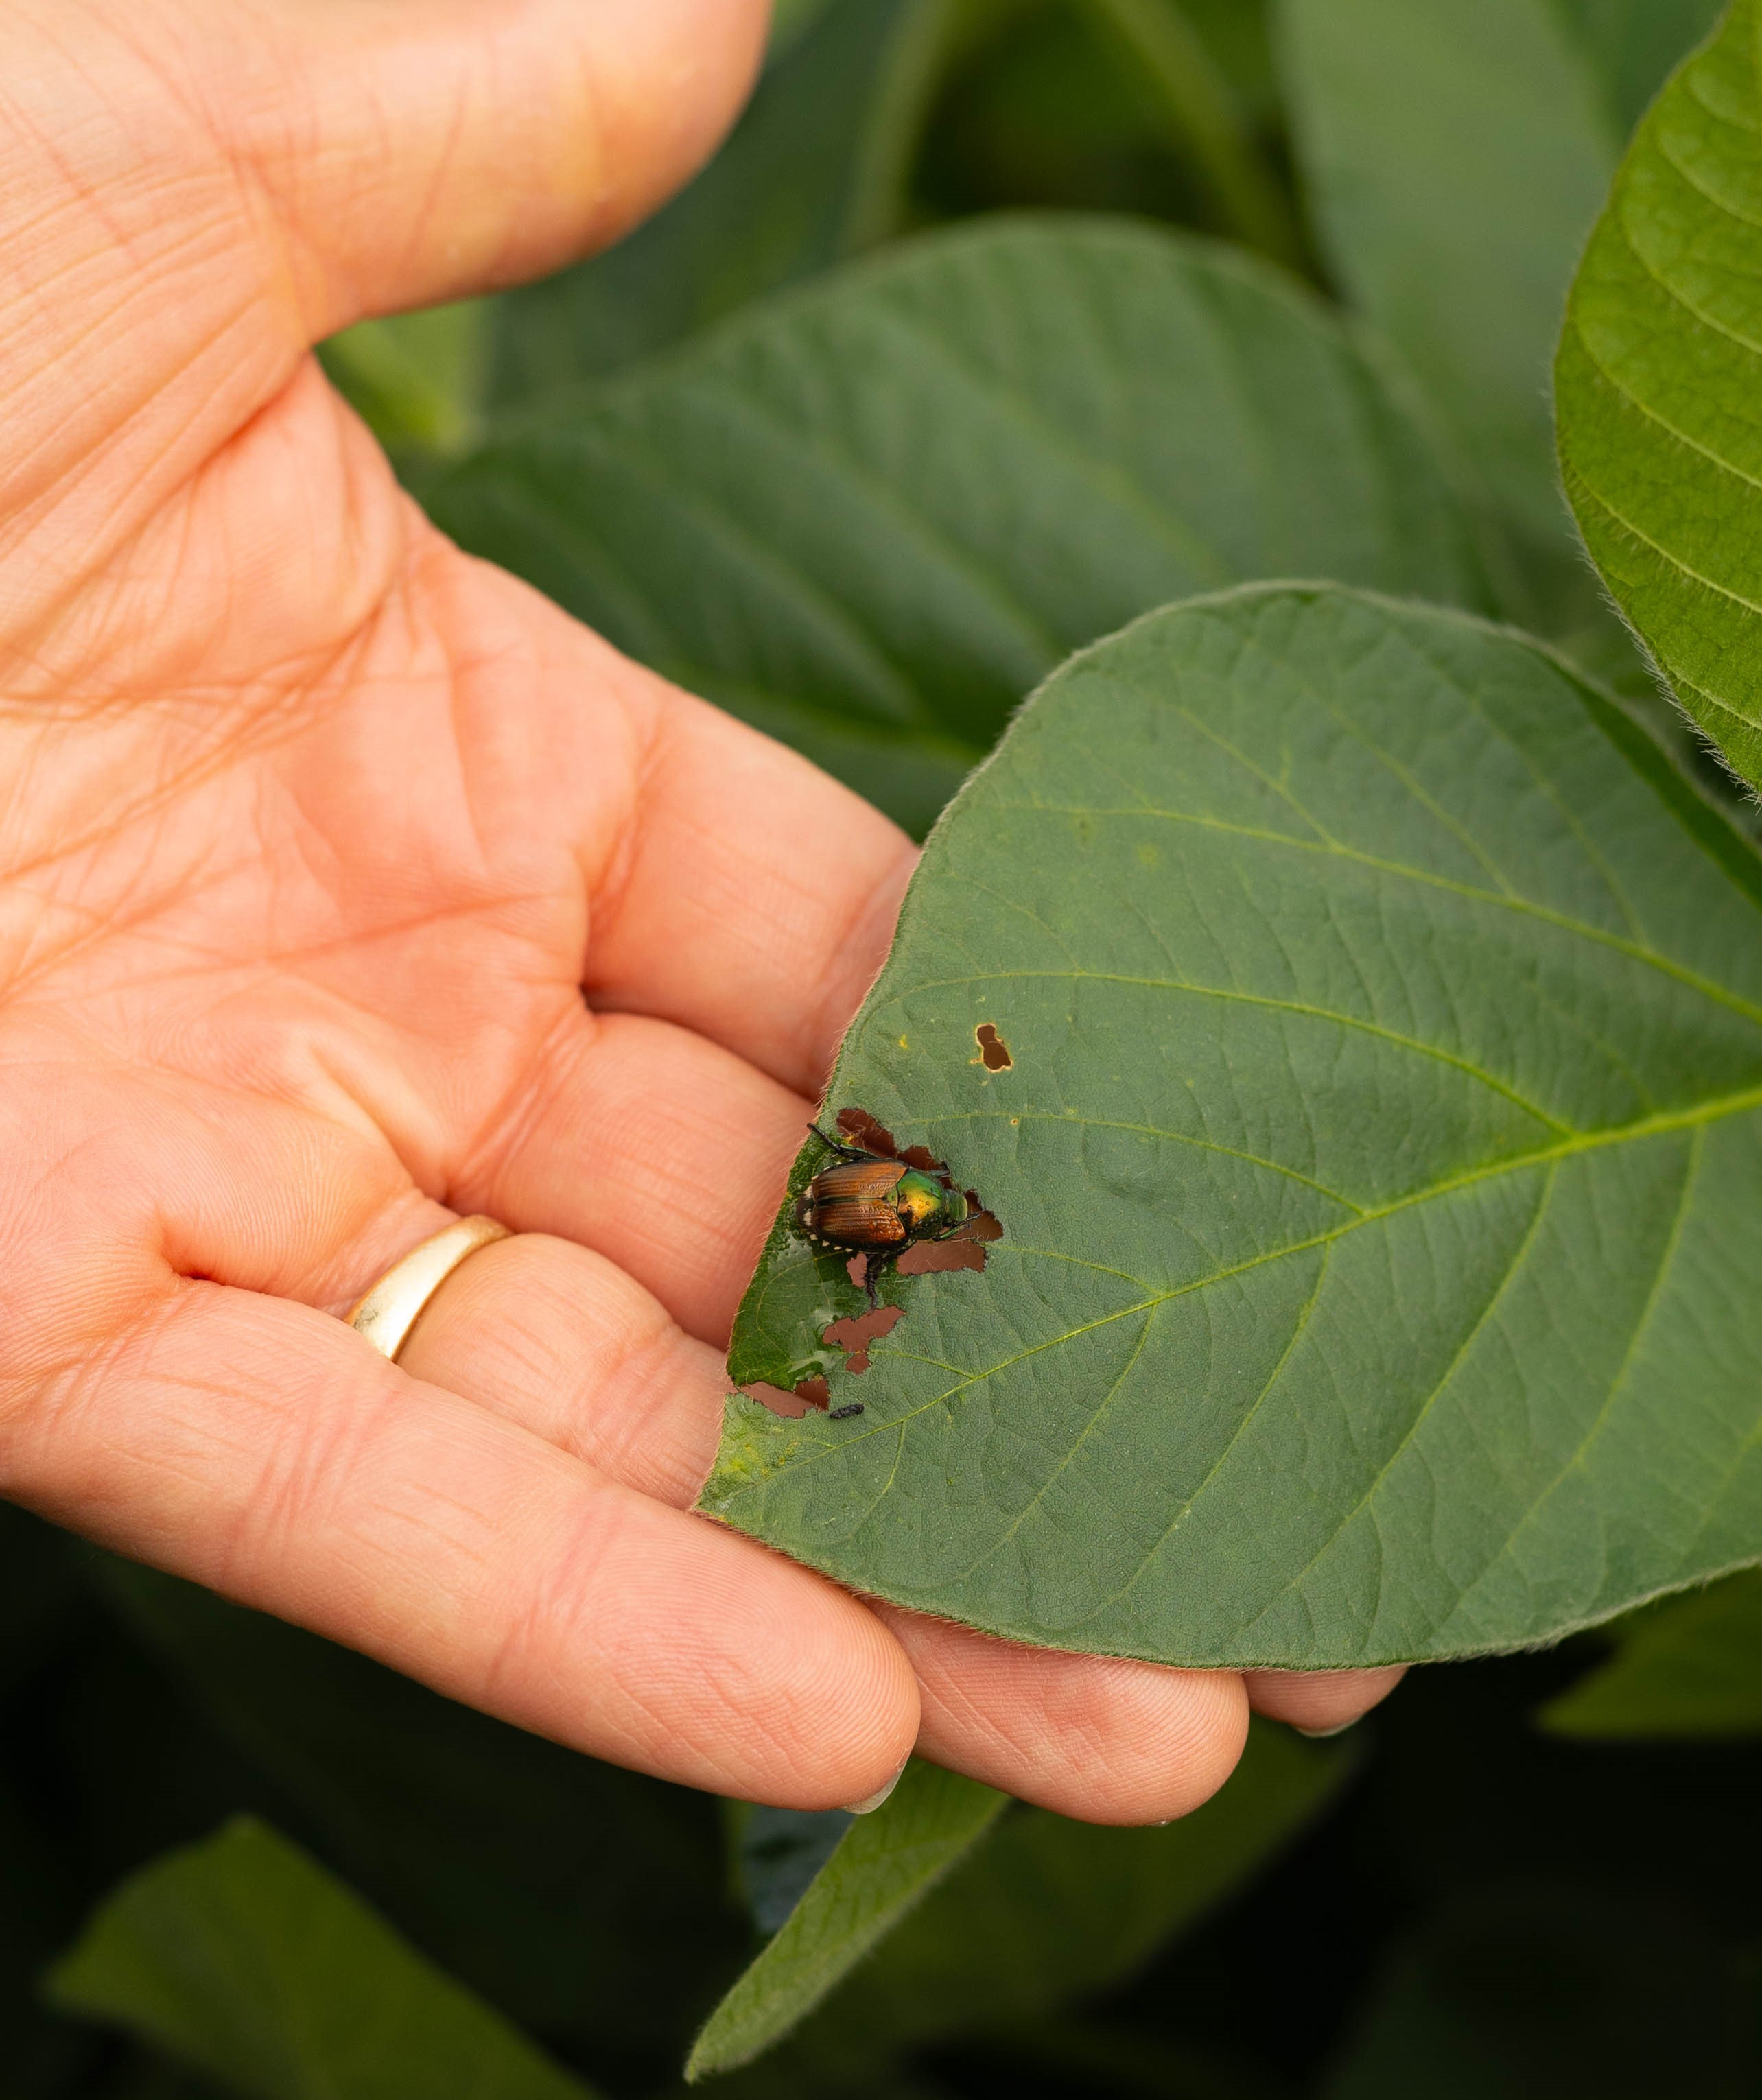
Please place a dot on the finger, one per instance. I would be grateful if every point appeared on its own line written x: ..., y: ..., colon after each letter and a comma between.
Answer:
x: 410, y: 155
x: 560, y: 1340
x: 1104, y: 1739
x: 750, y: 897
x: 1320, y: 1702
x: 661, y: 1150
x: 265, y: 1449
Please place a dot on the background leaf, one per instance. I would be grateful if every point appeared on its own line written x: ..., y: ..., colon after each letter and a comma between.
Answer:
x: 1631, y: 46
x: 577, y: 1897
x: 418, y: 380
x: 243, y: 1957
x: 1691, y: 1667
x: 789, y: 19
x: 1045, y: 103
x: 1160, y: 42
x: 1376, y: 1166
x: 1456, y: 158
x: 777, y: 1853
x: 870, y: 518
x: 884, y: 1864
x: 1047, y: 1912
x: 1657, y: 374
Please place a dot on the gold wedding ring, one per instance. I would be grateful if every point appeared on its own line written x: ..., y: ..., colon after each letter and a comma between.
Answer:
x: 391, y: 1308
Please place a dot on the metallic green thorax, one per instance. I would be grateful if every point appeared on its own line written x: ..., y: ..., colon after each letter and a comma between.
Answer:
x: 929, y: 1208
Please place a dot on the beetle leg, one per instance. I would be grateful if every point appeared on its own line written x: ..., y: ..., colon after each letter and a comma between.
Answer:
x: 836, y: 1145
x: 873, y: 1267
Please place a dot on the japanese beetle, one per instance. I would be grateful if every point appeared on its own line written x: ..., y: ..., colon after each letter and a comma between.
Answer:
x: 876, y: 1207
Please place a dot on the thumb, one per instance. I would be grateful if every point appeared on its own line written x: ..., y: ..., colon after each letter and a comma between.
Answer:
x: 406, y: 154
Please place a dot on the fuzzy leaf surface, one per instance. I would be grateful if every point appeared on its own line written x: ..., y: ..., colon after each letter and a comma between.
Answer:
x: 870, y: 517
x: 1656, y: 380
x: 884, y: 1864
x: 1378, y: 1166
x: 1047, y: 1912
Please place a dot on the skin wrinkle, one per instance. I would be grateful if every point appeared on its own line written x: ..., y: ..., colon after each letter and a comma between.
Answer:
x: 565, y: 1584
x: 509, y: 1123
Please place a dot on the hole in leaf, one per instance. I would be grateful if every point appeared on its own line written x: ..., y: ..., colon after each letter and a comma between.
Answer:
x: 854, y: 1335
x: 811, y: 1392
x: 861, y: 1128
x: 992, y: 1048
x: 940, y: 1258
x: 964, y: 1248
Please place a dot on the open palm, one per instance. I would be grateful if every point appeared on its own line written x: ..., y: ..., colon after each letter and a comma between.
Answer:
x: 313, y: 834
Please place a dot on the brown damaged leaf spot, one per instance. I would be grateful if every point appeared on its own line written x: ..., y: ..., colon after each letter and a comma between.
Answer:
x: 964, y: 1248
x: 861, y: 1128
x: 854, y: 1335
x: 992, y: 1048
x: 940, y: 1257
x: 791, y: 1406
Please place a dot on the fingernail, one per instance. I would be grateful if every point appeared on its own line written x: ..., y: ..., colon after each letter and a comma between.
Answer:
x: 870, y: 1802
x: 1322, y: 1735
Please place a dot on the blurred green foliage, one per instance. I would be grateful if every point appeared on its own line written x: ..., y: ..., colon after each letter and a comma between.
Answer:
x: 1464, y: 1904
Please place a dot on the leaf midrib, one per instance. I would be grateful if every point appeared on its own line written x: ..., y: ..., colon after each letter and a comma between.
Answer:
x: 1576, y: 1145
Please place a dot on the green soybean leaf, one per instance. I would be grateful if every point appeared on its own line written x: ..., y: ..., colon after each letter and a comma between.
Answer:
x: 1692, y: 1668
x: 777, y: 1853
x: 885, y: 1862
x: 243, y: 1957
x: 1377, y: 1165
x: 417, y: 379
x: 789, y: 19
x: 577, y: 1897
x: 869, y: 518
x: 1657, y: 373
x: 1456, y: 153
x: 1047, y: 1911
x: 814, y: 170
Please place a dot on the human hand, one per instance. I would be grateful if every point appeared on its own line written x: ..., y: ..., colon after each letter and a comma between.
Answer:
x: 313, y: 833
